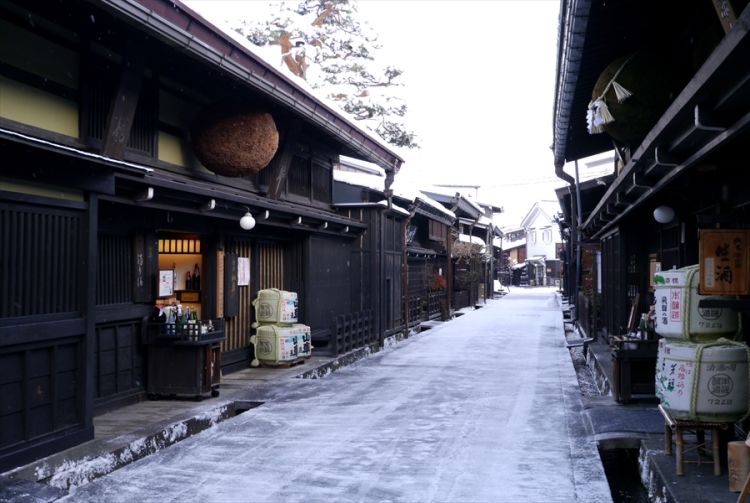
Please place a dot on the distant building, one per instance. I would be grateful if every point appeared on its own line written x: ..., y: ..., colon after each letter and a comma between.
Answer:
x: 533, y: 247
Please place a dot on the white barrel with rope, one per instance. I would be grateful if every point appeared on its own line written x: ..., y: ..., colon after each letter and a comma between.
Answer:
x: 704, y: 382
x: 678, y: 315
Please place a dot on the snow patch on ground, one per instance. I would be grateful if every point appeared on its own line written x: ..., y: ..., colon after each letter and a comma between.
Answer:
x: 175, y: 432
x: 78, y: 473
x: 213, y: 416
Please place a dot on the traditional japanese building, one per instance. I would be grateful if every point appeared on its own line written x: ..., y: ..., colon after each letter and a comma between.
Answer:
x: 149, y: 158
x: 678, y: 157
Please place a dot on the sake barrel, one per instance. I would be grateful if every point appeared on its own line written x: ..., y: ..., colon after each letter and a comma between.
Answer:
x: 678, y: 315
x: 659, y: 374
x: 276, y: 345
x: 704, y: 382
x: 276, y: 306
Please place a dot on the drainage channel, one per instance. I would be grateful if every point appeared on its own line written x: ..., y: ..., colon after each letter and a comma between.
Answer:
x: 619, y: 458
x: 623, y: 475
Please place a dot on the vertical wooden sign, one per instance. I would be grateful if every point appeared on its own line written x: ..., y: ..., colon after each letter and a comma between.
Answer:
x: 724, y: 262
x: 220, y: 283
x: 231, y: 297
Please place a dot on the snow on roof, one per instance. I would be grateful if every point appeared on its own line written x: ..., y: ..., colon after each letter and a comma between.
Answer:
x: 404, y: 190
x: 497, y: 242
x: 271, y: 55
x: 394, y: 207
x: 360, y: 164
x: 373, y: 182
x: 484, y: 221
x: 452, y: 191
x: 381, y: 204
x: 471, y: 239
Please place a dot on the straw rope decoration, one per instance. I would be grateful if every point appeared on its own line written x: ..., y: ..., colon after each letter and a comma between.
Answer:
x: 696, y: 374
x: 598, y: 114
x: 687, y: 302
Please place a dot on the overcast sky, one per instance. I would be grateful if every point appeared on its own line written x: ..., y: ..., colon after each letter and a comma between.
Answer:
x: 479, y: 77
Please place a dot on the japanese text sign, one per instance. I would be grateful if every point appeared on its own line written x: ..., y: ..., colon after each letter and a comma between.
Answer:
x: 724, y: 262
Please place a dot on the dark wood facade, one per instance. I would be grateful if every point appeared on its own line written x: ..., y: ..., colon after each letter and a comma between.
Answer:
x: 100, y: 184
x: 687, y: 158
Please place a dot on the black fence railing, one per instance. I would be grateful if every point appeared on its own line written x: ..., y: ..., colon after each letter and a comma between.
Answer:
x: 436, y: 300
x: 352, y: 331
x: 415, y: 310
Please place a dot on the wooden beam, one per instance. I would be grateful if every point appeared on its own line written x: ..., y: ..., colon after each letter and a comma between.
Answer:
x: 726, y: 14
x: 123, y: 106
x: 280, y: 168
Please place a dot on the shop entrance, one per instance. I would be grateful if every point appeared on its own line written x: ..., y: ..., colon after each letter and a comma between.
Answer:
x: 184, y: 258
x: 184, y: 345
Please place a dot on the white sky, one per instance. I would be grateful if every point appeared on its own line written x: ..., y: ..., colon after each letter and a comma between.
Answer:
x: 479, y: 77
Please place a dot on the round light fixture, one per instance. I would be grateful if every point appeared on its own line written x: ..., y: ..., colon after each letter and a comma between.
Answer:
x: 663, y: 214
x: 247, y: 221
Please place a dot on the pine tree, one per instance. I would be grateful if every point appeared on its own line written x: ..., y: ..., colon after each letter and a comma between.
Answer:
x: 323, y: 42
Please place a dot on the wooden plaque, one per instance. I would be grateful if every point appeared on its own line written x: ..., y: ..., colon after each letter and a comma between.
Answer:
x: 724, y: 262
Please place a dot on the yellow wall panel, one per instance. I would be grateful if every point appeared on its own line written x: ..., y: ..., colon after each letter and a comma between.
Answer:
x: 175, y: 150
x: 38, y: 108
x: 43, y: 190
x: 171, y: 149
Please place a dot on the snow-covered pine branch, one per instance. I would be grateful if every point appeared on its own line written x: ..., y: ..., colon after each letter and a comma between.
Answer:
x: 323, y: 42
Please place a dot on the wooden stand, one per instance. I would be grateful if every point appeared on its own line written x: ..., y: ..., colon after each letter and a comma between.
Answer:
x: 679, y: 427
x: 633, y: 367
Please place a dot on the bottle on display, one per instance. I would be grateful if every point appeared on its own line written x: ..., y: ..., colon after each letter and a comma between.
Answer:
x: 196, y: 278
x: 642, y: 327
x: 170, y: 320
x: 188, y: 281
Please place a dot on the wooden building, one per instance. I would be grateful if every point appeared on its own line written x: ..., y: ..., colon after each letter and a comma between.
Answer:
x: 679, y: 138
x: 472, y: 253
x: 428, y: 245
x: 377, y: 257
x: 101, y: 105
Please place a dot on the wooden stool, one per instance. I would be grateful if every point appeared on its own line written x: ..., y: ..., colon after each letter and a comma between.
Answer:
x: 679, y: 426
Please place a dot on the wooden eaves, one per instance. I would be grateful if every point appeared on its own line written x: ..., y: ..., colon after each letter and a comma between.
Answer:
x: 177, y: 25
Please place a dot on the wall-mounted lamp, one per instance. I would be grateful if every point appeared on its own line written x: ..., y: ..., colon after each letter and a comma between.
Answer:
x: 265, y: 215
x: 298, y: 220
x: 247, y: 221
x: 664, y: 214
x: 209, y: 205
x: 146, y: 194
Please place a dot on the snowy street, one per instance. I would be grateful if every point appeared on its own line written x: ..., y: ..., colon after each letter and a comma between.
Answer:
x: 484, y: 408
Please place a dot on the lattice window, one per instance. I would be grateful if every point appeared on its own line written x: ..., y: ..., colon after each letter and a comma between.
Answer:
x: 115, y: 273
x: 40, y: 253
x: 101, y: 87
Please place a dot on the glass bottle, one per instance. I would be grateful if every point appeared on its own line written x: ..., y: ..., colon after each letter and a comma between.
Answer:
x: 196, y: 278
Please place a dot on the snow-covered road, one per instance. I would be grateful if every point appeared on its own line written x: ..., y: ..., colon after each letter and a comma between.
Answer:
x: 484, y: 408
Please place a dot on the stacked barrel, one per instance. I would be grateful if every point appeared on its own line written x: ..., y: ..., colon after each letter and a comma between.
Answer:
x: 701, y: 372
x: 278, y: 338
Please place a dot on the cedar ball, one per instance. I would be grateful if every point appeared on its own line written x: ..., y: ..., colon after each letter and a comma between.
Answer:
x: 236, y: 145
x: 654, y: 82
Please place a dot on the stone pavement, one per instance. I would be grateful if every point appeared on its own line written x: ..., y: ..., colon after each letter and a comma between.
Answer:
x: 136, y: 431
x: 130, y: 433
x: 124, y: 436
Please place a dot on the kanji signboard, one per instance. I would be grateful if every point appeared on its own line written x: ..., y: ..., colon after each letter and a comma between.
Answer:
x: 724, y: 262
